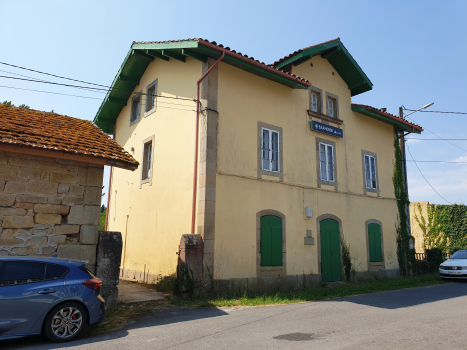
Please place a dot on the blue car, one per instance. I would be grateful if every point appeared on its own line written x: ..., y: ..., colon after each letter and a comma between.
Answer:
x: 55, y: 297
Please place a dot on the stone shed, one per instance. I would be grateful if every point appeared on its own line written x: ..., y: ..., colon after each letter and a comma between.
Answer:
x: 51, y: 174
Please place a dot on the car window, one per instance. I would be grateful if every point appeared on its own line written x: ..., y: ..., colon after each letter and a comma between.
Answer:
x: 462, y: 254
x: 54, y: 271
x: 20, y: 272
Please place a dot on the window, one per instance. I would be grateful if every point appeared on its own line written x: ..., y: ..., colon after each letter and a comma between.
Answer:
x: 271, y: 241
x: 370, y: 172
x: 326, y: 162
x: 315, y: 99
x: 147, y: 161
x: 151, y: 92
x: 270, y: 150
x: 53, y: 271
x: 374, y: 242
x: 21, y: 272
x: 147, y: 157
x: 135, y: 109
x: 331, y: 107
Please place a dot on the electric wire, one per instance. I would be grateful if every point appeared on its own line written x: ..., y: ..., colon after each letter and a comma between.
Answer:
x: 425, y: 177
x: 415, y: 110
x: 415, y: 138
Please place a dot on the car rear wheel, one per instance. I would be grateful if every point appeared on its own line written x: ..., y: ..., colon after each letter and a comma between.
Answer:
x: 65, y: 322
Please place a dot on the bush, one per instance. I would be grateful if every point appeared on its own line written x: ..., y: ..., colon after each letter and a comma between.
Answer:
x: 165, y: 284
x: 421, y: 267
x: 434, y: 257
x: 185, y: 283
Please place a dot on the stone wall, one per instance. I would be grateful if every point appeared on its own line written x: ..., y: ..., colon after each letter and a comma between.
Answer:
x: 48, y: 206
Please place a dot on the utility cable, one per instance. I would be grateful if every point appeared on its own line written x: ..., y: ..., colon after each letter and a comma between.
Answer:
x: 415, y: 138
x: 425, y: 177
x: 414, y: 110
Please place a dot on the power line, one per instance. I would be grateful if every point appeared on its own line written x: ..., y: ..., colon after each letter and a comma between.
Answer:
x: 49, y: 92
x: 439, y: 136
x: 434, y: 161
x: 415, y: 138
x: 425, y: 177
x: 414, y: 110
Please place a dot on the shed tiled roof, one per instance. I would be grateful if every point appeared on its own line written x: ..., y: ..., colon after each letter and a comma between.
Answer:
x: 389, y: 115
x: 54, y: 132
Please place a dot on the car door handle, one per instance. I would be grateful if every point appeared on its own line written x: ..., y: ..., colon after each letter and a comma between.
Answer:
x: 47, y: 291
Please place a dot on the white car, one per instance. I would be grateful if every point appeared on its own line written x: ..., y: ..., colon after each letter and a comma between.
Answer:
x: 455, y: 266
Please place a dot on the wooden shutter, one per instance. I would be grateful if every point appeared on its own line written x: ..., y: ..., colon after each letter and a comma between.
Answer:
x: 374, y: 241
x: 271, y: 241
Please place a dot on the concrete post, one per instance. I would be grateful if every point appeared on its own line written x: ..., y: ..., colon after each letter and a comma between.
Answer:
x: 109, y: 253
x: 191, y: 253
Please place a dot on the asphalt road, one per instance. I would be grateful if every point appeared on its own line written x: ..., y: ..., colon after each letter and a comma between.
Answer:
x: 420, y: 318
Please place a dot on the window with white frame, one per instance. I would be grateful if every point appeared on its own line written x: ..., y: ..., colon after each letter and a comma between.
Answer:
x: 314, y: 101
x: 331, y: 107
x: 270, y: 150
x: 135, y: 109
x: 326, y: 162
x: 370, y: 172
x: 151, y: 95
x: 147, y: 161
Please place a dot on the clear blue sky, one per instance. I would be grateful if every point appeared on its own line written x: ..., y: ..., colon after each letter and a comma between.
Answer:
x: 414, y: 52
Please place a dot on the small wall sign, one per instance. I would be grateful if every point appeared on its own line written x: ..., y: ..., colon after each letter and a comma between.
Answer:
x: 327, y: 129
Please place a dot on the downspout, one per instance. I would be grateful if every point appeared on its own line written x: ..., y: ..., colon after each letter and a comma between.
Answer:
x: 195, y: 173
x: 110, y: 187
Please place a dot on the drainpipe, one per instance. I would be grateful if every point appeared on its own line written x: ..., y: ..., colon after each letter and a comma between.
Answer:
x: 110, y: 187
x: 195, y: 174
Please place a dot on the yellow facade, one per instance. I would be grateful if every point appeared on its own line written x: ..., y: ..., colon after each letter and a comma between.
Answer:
x: 153, y: 216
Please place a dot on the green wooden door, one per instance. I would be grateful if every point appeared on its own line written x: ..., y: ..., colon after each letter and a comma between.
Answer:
x: 330, y: 251
x: 271, y: 241
x: 374, y: 242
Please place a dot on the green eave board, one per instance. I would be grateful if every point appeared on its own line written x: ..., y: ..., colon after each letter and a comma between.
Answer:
x: 336, y: 53
x: 135, y: 65
x: 384, y: 119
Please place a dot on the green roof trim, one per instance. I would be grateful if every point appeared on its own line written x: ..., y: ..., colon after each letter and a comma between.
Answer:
x: 141, y: 55
x: 400, y: 124
x: 336, y: 53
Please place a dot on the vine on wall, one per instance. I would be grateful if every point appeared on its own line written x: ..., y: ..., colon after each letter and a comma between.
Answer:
x: 405, y: 255
x: 446, y: 227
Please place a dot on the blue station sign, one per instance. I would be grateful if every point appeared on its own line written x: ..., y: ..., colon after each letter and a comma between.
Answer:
x: 327, y: 129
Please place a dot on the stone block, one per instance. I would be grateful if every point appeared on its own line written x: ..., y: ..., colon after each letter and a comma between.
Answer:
x: 31, y: 198
x: 238, y: 285
x: 37, y: 241
x: 313, y: 280
x: 6, y: 200
x: 3, y: 158
x: 46, y: 165
x: 18, y: 222
x: 59, y: 239
x: 54, y: 200
x: 26, y: 206
x: 3, y: 253
x: 82, y: 176
x: 95, y: 177
x: 72, y: 200
x: 24, y: 234
x: 19, y: 161
x: 89, y: 234
x: 93, y: 195
x: 49, y: 250
x: 45, y: 175
x: 76, y: 190
x: 7, y: 176
x: 62, y: 188
x: 84, y: 215
x: 68, y: 168
x: 62, y: 177
x: 28, y: 174
x: 52, y: 209
x: 30, y: 212
x: 42, y: 218
x: 16, y: 187
x: 66, y: 229
x: 12, y: 212
x: 9, y: 241
x: 2, y: 186
x: 76, y: 251
x: 7, y: 232
x: 43, y: 187
x: 25, y: 250
x: 40, y: 226
x: 64, y: 161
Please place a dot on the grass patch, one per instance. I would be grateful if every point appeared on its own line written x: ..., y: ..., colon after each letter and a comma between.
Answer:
x: 125, y: 312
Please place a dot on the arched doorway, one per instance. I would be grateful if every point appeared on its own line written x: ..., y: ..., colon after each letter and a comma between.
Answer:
x: 331, y: 268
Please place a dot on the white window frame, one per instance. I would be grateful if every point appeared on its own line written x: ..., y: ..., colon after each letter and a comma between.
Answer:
x: 147, y: 162
x: 316, y: 95
x: 327, y: 149
x: 270, y: 151
x: 332, y: 110
x: 371, y: 176
x: 133, y: 112
x: 151, y: 110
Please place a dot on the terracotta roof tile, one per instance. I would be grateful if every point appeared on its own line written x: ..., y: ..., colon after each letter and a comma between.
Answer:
x: 55, y: 132
x: 388, y: 115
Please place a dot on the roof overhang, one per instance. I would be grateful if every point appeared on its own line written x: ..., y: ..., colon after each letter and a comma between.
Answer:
x: 336, y: 53
x: 399, y: 123
x: 142, y: 54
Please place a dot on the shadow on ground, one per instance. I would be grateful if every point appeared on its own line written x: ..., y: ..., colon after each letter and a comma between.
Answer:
x: 156, y: 319
x: 409, y: 297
